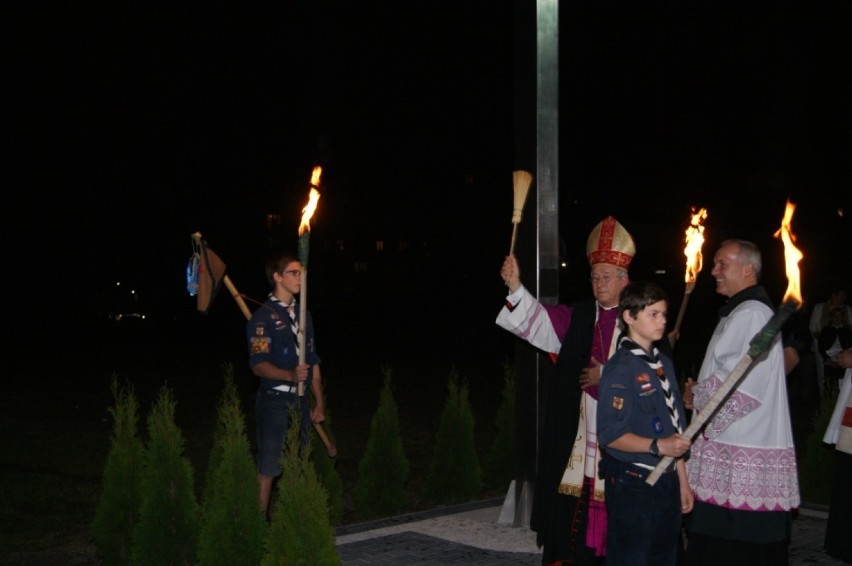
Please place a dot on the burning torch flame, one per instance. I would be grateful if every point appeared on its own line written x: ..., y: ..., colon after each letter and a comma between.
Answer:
x: 792, y: 255
x: 313, y: 198
x: 694, y: 241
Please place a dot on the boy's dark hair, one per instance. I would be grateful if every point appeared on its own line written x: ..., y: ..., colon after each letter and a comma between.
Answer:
x: 276, y: 262
x: 638, y: 295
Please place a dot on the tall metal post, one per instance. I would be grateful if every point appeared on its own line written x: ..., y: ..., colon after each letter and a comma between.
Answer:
x: 547, y: 145
x: 537, y: 133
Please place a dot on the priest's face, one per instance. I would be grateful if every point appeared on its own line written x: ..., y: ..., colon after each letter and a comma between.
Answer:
x: 607, y: 283
x: 731, y: 275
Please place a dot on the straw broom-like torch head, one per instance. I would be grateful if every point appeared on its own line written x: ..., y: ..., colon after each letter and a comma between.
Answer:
x: 521, y: 181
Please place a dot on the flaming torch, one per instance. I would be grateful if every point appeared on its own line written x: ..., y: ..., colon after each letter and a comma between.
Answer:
x: 758, y: 345
x: 694, y: 259
x: 304, y: 245
x: 792, y: 257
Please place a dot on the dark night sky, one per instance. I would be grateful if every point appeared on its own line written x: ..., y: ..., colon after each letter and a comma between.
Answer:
x: 134, y: 127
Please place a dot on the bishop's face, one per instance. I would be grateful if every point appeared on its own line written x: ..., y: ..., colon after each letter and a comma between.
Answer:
x: 607, y: 283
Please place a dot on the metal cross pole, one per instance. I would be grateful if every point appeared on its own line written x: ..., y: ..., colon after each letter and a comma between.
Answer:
x: 544, y: 148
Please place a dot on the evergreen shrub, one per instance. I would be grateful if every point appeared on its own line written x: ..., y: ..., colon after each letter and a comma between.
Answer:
x: 300, y: 533
x: 816, y: 473
x: 454, y: 473
x: 327, y: 473
x: 167, y: 531
x: 118, y: 507
x: 233, y: 528
x: 383, y: 469
x: 500, y: 470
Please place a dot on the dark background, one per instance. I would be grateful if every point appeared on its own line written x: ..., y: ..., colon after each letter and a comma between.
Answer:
x: 133, y: 126
x: 129, y: 127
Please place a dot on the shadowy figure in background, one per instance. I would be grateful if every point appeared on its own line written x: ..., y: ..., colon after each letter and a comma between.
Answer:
x: 798, y: 348
x: 820, y: 318
x: 834, y: 337
x: 838, y: 530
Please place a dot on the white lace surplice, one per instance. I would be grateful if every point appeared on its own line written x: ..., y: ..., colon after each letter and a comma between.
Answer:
x: 745, y: 458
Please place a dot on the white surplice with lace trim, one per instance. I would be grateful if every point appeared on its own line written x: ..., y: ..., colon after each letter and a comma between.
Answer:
x: 745, y: 458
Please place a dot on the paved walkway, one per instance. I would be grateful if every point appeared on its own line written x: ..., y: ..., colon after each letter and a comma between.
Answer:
x: 471, y: 534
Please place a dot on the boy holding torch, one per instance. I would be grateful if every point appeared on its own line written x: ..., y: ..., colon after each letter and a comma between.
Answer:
x: 274, y: 357
x: 640, y: 419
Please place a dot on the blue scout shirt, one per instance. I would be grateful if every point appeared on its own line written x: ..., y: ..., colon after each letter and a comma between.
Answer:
x: 270, y: 338
x: 631, y: 399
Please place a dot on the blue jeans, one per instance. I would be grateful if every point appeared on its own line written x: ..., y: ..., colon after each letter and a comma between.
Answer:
x: 643, y: 521
x: 272, y: 414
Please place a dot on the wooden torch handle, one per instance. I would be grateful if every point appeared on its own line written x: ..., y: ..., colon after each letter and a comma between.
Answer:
x: 330, y: 448
x: 237, y: 297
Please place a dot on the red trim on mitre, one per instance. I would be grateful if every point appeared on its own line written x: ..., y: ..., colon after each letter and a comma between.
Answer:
x: 607, y: 233
x: 610, y: 257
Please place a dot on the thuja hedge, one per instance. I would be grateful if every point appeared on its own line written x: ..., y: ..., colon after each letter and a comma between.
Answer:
x: 328, y: 474
x: 500, y: 470
x: 815, y: 473
x: 148, y: 512
x: 169, y: 517
x: 301, y: 533
x: 232, y: 528
x: 454, y: 474
x: 118, y: 508
x: 383, y: 470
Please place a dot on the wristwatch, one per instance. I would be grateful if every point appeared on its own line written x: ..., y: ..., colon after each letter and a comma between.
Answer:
x: 653, y: 449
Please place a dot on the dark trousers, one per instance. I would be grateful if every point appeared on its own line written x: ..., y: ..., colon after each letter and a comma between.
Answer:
x: 838, y: 530
x: 564, y: 541
x: 644, y: 521
x: 709, y: 551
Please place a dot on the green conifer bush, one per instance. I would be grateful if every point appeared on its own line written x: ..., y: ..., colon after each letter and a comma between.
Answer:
x: 300, y: 533
x: 167, y: 531
x: 501, y: 456
x: 383, y: 469
x: 327, y: 473
x: 816, y: 472
x: 232, y: 527
x: 227, y: 399
x: 454, y: 473
x: 118, y: 507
